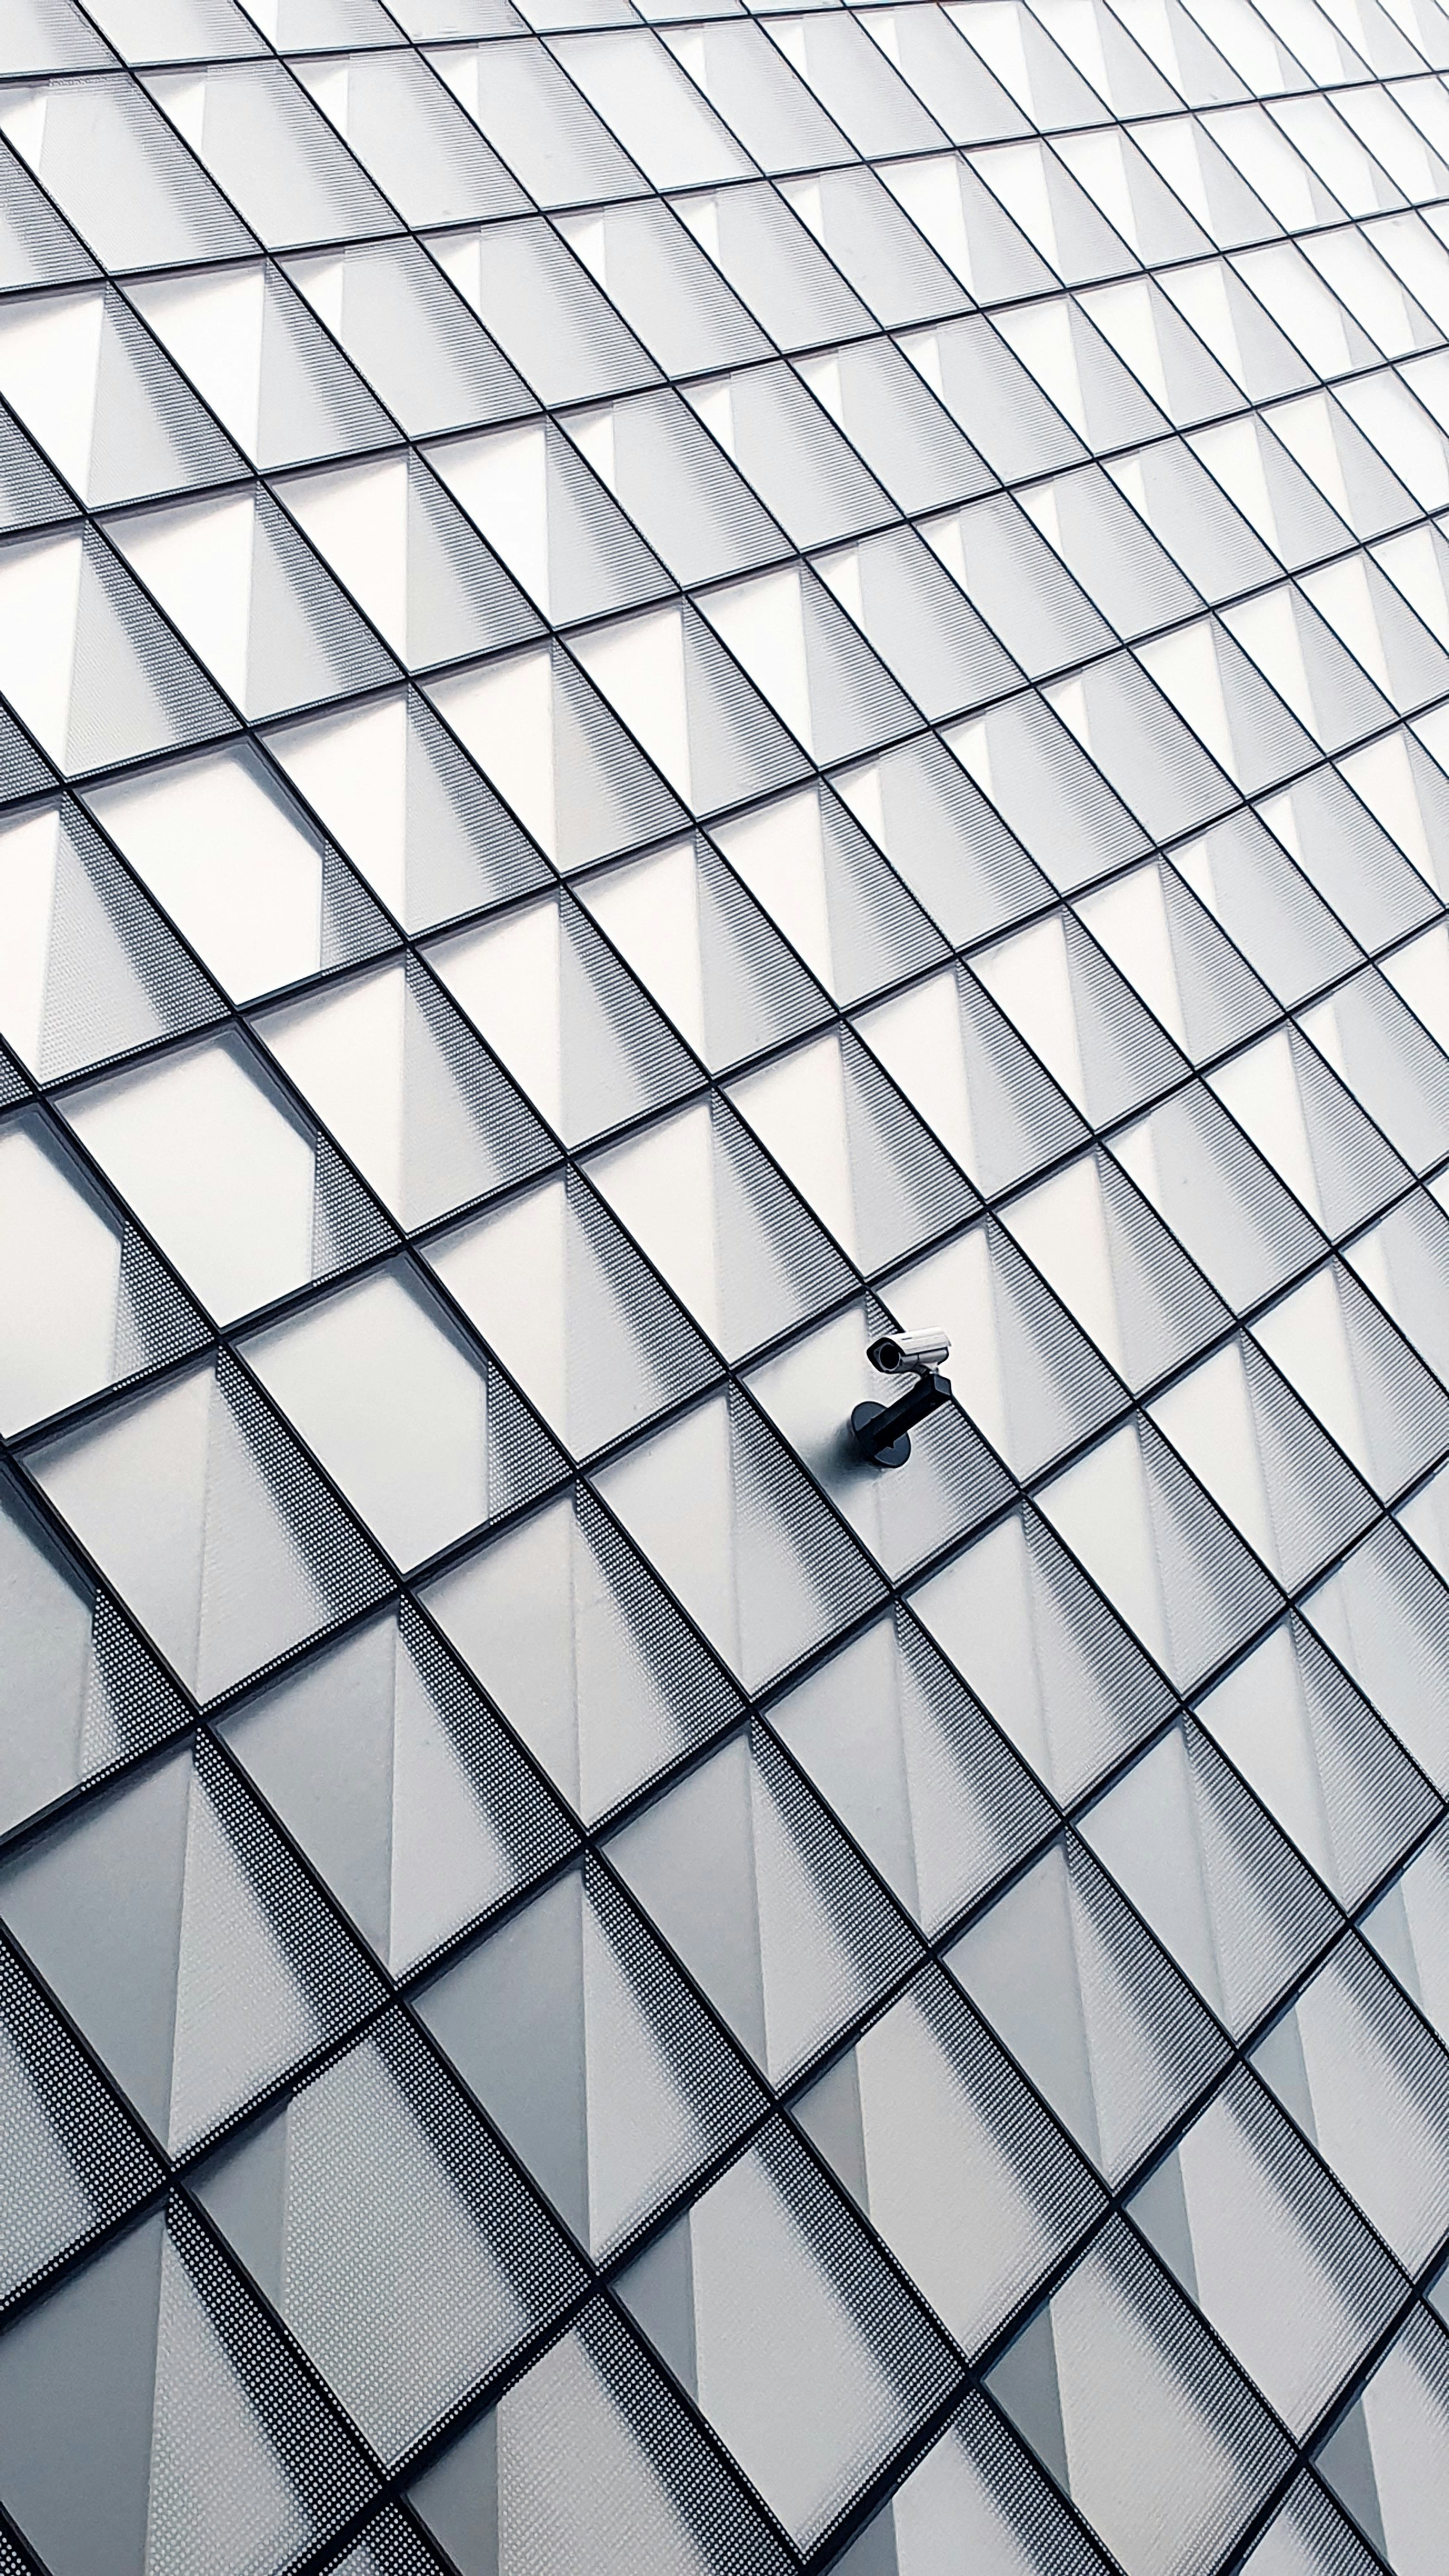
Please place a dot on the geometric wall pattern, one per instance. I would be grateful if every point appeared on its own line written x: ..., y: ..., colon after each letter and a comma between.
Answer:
x: 679, y: 681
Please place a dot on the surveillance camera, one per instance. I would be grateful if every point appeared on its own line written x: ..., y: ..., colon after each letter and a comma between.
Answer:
x: 893, y: 1352
x: 882, y: 1433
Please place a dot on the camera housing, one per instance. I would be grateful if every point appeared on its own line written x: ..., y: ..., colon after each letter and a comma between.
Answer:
x: 896, y: 1354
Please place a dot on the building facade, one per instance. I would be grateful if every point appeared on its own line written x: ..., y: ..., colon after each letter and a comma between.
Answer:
x: 680, y: 685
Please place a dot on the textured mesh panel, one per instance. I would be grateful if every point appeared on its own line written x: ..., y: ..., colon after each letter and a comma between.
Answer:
x: 684, y: 692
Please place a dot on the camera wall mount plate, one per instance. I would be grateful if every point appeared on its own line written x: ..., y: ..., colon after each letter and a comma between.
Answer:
x: 896, y: 1451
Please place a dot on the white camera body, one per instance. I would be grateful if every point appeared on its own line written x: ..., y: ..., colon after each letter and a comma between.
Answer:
x: 896, y: 1354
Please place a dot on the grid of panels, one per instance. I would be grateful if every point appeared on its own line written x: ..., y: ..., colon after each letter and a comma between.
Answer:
x: 677, y: 685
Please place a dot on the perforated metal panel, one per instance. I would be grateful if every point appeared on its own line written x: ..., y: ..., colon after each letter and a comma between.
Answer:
x: 681, y: 682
